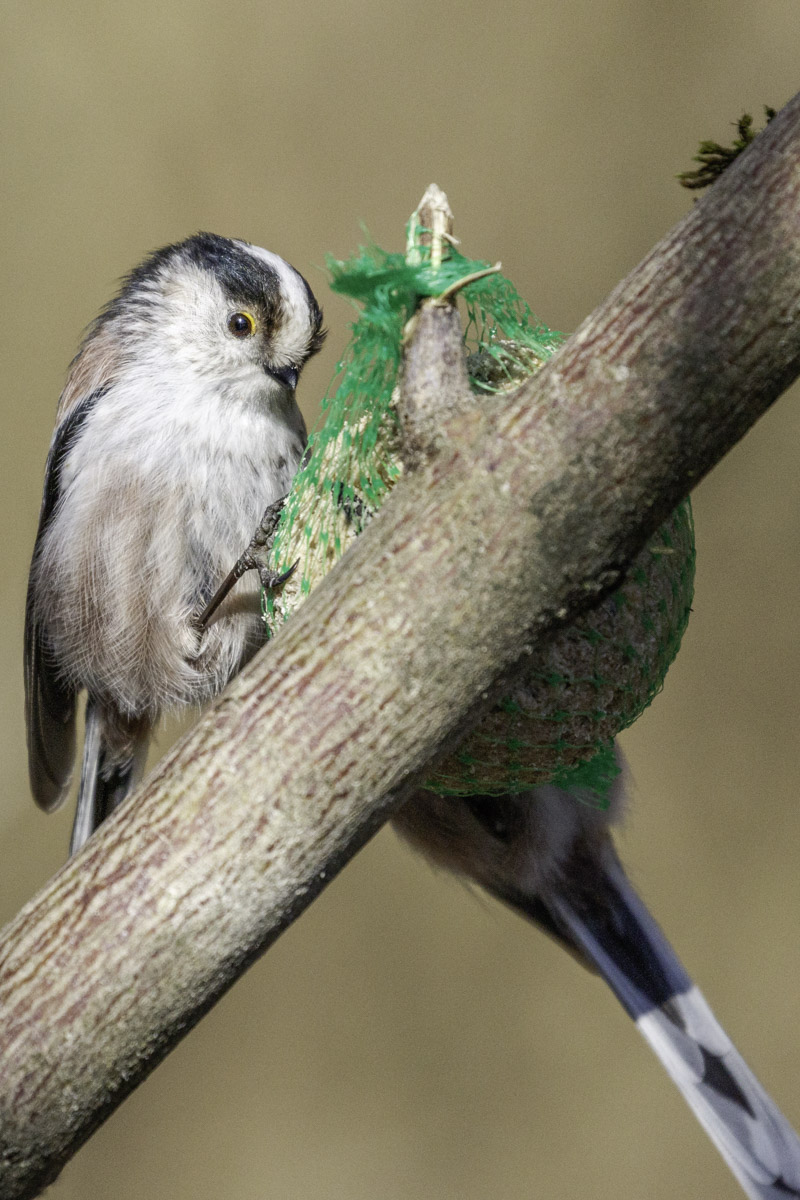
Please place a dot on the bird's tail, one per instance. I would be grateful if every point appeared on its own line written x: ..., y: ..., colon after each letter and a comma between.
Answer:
x: 622, y: 941
x: 105, y: 778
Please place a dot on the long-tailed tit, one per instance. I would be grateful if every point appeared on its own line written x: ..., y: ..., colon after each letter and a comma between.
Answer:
x: 549, y: 855
x: 177, y: 427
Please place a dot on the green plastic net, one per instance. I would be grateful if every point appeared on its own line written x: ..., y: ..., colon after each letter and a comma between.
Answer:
x: 559, y: 721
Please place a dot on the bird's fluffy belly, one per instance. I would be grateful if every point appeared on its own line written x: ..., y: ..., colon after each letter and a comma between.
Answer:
x: 129, y: 560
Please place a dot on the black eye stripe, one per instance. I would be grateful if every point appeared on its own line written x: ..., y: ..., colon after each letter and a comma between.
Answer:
x: 242, y: 276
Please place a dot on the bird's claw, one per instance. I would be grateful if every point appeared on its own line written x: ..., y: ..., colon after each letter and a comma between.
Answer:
x: 266, y: 527
x: 257, y: 554
x: 255, y: 558
x: 273, y: 579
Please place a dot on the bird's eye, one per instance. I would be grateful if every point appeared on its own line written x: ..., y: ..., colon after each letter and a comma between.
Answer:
x: 242, y: 324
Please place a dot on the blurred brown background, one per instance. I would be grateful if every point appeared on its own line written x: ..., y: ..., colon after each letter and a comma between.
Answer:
x: 407, y: 1039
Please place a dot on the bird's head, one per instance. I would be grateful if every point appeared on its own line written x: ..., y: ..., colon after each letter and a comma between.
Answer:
x: 209, y: 311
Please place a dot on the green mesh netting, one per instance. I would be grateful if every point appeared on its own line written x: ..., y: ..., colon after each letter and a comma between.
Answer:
x: 353, y: 459
x: 596, y: 677
x: 593, y: 680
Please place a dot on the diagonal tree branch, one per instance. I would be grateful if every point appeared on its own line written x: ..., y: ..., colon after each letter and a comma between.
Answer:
x: 528, y: 512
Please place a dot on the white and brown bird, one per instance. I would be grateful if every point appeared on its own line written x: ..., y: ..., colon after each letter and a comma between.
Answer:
x: 177, y: 428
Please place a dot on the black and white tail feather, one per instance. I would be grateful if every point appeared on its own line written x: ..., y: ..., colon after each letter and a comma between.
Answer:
x: 551, y: 858
x: 641, y: 968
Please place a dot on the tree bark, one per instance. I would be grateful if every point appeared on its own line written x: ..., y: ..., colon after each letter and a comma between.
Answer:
x: 526, y: 515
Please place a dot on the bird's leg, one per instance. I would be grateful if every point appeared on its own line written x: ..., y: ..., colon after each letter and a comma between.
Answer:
x: 255, y: 558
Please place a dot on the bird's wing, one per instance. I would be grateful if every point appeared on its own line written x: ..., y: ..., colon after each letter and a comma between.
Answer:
x: 49, y: 701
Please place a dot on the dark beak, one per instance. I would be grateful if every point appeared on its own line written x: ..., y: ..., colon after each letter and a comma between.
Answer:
x: 285, y: 375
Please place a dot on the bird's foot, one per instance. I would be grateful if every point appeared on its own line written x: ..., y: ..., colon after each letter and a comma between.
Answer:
x: 255, y: 558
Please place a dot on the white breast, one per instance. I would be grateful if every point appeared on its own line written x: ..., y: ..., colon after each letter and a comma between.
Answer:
x: 159, y: 498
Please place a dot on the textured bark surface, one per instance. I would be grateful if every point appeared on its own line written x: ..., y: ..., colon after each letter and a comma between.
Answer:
x: 434, y: 384
x: 527, y: 514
